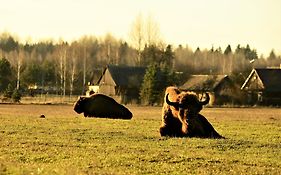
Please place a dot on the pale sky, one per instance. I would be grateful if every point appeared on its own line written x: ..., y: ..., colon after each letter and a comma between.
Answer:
x: 197, y: 23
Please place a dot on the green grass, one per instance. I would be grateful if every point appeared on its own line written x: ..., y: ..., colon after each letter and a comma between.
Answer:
x: 67, y: 143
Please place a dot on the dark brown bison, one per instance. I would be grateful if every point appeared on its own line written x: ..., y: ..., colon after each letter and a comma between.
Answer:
x: 99, y: 105
x: 181, y: 118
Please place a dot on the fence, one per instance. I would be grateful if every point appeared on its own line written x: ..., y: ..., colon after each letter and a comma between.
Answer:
x: 44, y: 99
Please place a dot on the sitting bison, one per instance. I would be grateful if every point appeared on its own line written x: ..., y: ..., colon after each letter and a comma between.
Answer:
x: 99, y: 105
x: 181, y: 118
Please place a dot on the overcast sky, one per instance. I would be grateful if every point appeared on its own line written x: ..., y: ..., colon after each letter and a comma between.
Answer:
x: 198, y: 23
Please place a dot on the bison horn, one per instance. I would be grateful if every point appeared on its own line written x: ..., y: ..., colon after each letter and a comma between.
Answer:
x: 174, y: 104
x: 206, y: 101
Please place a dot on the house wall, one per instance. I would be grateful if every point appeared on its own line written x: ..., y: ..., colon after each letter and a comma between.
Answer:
x: 228, y: 93
x: 122, y: 95
x: 107, y: 86
x: 264, y: 98
x: 107, y: 90
x: 254, y: 83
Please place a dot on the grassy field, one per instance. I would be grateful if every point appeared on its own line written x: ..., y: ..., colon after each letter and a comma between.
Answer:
x: 67, y: 143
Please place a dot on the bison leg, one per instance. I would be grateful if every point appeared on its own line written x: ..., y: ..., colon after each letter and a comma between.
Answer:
x: 183, y: 119
x: 201, y: 127
x: 208, y: 128
x: 171, y: 126
x: 171, y: 131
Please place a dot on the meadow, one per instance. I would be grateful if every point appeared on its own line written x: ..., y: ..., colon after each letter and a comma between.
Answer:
x: 67, y: 143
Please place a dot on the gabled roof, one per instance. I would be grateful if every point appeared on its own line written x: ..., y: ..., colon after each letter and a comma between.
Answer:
x: 203, y: 82
x: 95, y: 75
x: 269, y: 78
x: 125, y: 75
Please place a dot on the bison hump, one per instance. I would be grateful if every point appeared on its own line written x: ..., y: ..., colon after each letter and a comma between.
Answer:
x: 100, y: 105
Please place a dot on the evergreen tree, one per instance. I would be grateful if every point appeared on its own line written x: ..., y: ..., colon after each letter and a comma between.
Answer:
x: 148, y: 92
x: 197, y: 50
x: 250, y: 54
x: 155, y: 81
x: 238, y: 49
x: 212, y: 49
x: 32, y: 74
x: 8, y: 44
x: 218, y: 50
x: 150, y: 54
x: 48, y: 72
x: 228, y: 50
x: 9, y: 91
x: 272, y: 55
x: 5, y: 74
x: 168, y: 58
x: 16, y: 96
x: 123, y: 53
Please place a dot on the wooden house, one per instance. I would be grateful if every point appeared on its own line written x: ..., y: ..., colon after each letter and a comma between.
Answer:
x: 122, y: 83
x: 263, y: 86
x: 220, y: 88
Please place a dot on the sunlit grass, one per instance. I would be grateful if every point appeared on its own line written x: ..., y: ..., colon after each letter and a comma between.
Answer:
x: 67, y: 143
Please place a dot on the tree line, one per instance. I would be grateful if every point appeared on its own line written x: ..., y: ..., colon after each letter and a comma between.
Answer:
x: 65, y: 68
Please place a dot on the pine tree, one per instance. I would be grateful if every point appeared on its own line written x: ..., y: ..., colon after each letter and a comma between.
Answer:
x: 272, y: 55
x: 16, y: 96
x: 148, y: 93
x: 5, y: 74
x: 228, y: 50
x: 9, y: 91
x: 168, y: 57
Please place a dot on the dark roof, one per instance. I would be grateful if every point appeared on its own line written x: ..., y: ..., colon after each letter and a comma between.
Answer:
x: 95, y: 76
x: 126, y: 76
x: 271, y: 79
x: 203, y: 82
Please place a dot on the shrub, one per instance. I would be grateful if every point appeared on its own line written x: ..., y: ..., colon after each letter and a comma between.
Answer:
x: 16, y: 96
x: 9, y: 91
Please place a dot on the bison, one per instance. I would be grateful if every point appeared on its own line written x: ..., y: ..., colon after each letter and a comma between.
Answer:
x: 99, y: 105
x: 181, y: 118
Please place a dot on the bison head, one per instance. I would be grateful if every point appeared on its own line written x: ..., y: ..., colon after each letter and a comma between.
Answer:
x: 79, y: 105
x: 188, y: 103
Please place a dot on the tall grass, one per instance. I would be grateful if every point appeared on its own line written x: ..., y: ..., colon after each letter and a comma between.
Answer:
x: 67, y: 143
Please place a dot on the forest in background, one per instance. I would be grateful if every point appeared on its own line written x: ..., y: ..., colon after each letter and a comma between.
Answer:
x: 66, y: 68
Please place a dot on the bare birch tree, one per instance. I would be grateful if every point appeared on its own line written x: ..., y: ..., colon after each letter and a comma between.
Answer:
x: 16, y: 59
x: 144, y: 33
x: 64, y: 72
x: 152, y: 32
x: 61, y: 53
x: 137, y: 36
x: 21, y: 56
x: 73, y: 66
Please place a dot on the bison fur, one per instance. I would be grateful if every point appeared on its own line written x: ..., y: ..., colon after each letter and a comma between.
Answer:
x: 181, y: 118
x: 102, y: 106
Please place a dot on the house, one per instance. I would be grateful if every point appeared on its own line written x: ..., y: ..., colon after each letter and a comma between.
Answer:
x: 220, y: 88
x: 122, y: 83
x: 263, y: 86
x: 93, y: 87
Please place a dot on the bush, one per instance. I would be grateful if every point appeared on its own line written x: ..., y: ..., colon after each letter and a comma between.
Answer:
x: 9, y: 91
x: 16, y: 96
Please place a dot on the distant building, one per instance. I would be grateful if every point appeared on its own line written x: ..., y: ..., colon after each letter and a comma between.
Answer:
x: 263, y: 86
x: 220, y: 88
x: 38, y: 89
x: 121, y: 82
